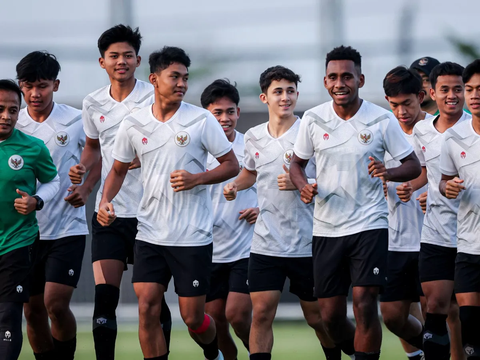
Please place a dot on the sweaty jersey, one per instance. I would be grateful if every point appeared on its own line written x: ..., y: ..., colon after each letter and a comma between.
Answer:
x: 461, y: 155
x: 231, y: 237
x: 23, y: 160
x: 102, y: 116
x: 284, y: 224
x: 183, y: 142
x: 62, y: 133
x: 349, y: 201
x: 440, y: 222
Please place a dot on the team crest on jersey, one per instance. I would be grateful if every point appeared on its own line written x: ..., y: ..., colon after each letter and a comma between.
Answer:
x: 182, y: 138
x: 326, y: 136
x: 102, y: 119
x: 463, y: 154
x: 365, y: 137
x: 144, y: 141
x: 423, y: 62
x: 62, y: 138
x: 15, y: 162
x: 288, y: 156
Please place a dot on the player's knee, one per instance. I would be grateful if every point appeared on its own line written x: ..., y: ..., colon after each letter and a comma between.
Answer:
x: 57, y: 307
x: 365, y: 310
x: 194, y: 320
x: 393, y: 322
x: 438, y: 305
x: 239, y: 321
x: 263, y: 315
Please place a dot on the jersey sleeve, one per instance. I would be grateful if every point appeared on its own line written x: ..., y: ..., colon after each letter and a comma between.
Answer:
x: 395, y: 142
x: 214, y: 139
x: 447, y: 166
x: 45, y: 169
x: 418, y: 148
x: 123, y: 150
x: 248, y: 159
x: 303, y: 147
x: 88, y: 125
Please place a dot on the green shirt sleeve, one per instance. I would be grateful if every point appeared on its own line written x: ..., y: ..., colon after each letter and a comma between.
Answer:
x: 45, y: 170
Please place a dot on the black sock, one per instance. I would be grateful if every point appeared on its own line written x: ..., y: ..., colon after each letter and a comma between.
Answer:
x: 332, y: 353
x: 348, y: 347
x: 436, y: 342
x: 209, y: 350
x: 65, y: 349
x: 163, y: 357
x: 470, y: 318
x: 367, y: 356
x: 416, y: 341
x: 260, y: 356
x: 105, y: 321
x: 49, y: 355
x: 166, y: 321
x: 416, y: 357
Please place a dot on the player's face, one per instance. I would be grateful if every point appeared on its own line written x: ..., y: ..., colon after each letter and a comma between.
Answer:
x: 120, y: 61
x: 449, y: 94
x: 281, y: 98
x: 227, y: 114
x: 171, y: 83
x: 426, y: 85
x: 9, y: 108
x: 406, y: 107
x: 39, y: 94
x: 342, y: 80
x: 472, y: 95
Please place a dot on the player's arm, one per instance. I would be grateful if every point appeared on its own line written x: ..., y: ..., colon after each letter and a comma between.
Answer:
x: 299, y: 179
x: 78, y: 194
x: 406, y: 190
x: 451, y: 186
x: 408, y: 170
x: 91, y: 155
x: 244, y: 180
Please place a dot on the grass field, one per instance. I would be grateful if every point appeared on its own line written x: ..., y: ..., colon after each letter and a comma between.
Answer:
x: 293, y: 340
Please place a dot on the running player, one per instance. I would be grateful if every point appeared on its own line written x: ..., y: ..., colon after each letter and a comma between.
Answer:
x: 349, y: 137
x: 24, y: 161
x: 424, y: 67
x: 281, y: 244
x: 228, y: 300
x: 103, y: 112
x: 461, y: 174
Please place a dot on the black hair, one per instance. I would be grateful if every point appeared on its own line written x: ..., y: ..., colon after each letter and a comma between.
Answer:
x: 10, y: 85
x: 277, y: 73
x: 38, y: 65
x: 402, y: 81
x: 471, y: 69
x: 218, y: 89
x: 160, y: 60
x: 445, y: 68
x: 345, y: 53
x: 117, y: 34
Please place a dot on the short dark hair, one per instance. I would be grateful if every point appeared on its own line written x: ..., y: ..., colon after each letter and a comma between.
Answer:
x: 345, y: 53
x: 218, y: 89
x: 445, y: 68
x: 277, y: 73
x: 402, y: 81
x: 120, y: 33
x: 160, y: 60
x: 10, y: 85
x: 471, y: 69
x: 38, y: 65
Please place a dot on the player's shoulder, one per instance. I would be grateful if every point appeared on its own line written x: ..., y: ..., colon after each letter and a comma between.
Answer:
x: 27, y: 141
x: 66, y: 115
x: 23, y: 118
x: 189, y: 114
x: 141, y: 92
x: 461, y: 130
x: 424, y: 126
x: 372, y: 114
x: 239, y: 137
x: 140, y: 117
x: 256, y: 132
x: 323, y: 112
x: 98, y: 97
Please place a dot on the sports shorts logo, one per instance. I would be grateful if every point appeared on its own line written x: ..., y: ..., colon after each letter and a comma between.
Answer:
x: 469, y: 350
x: 19, y: 289
x: 62, y: 138
x: 427, y: 336
x: 463, y: 154
x: 288, y: 156
x: 71, y: 272
x: 365, y: 137
x: 376, y: 271
x: 8, y: 336
x: 326, y: 136
x: 196, y: 283
x: 182, y: 138
x: 15, y: 162
x: 101, y: 321
x: 102, y: 119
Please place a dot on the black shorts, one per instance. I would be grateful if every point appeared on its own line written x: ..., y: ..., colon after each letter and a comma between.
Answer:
x: 436, y: 262
x: 268, y: 273
x: 15, y: 270
x: 58, y: 261
x: 115, y: 241
x: 190, y: 267
x: 403, y: 282
x: 467, y: 273
x: 228, y: 277
x: 358, y: 259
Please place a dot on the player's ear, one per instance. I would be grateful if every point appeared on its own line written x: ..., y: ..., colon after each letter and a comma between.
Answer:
x: 263, y: 98
x: 139, y: 60
x: 421, y: 96
x: 101, y: 61
x: 153, y: 79
x: 361, y: 81
x: 56, y: 84
x: 325, y: 82
x: 432, y: 94
x: 238, y: 111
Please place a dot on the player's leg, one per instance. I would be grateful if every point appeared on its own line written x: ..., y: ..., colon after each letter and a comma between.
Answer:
x: 413, y: 352
x: 455, y: 331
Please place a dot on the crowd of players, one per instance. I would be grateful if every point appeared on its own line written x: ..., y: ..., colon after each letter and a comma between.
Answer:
x: 391, y: 199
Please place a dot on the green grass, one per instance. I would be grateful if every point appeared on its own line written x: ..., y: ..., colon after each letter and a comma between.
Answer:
x: 292, y: 341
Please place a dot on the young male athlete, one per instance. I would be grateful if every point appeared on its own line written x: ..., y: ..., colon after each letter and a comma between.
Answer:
x: 281, y: 244
x: 63, y: 227
x: 438, y: 248
x: 228, y: 300
x: 403, y: 91
x: 103, y: 112
x: 172, y: 140
x: 459, y: 159
x: 349, y: 137
x: 24, y: 160
x: 424, y: 67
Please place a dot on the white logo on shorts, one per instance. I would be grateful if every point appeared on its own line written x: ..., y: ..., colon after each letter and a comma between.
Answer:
x: 376, y: 271
x: 71, y: 272
x: 101, y: 321
x: 15, y: 162
x: 19, y: 289
x: 469, y: 350
x: 427, y: 336
x: 8, y: 335
x: 196, y: 283
x: 247, y: 282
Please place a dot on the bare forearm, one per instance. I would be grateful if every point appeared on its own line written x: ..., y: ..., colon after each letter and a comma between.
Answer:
x: 90, y: 157
x: 93, y: 176
x: 298, y: 176
x: 442, y: 187
x: 410, y: 169
x: 421, y: 181
x: 113, y: 183
x: 226, y: 170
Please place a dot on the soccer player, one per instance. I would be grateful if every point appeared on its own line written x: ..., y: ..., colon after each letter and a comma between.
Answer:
x: 63, y: 227
x: 103, y: 112
x: 228, y: 300
x: 460, y: 154
x: 24, y: 161
x: 438, y: 248
x: 172, y: 140
x: 281, y: 244
x: 424, y: 67
x: 349, y: 137
x: 403, y: 91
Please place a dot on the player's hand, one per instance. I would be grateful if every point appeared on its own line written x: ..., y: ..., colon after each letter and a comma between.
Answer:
x: 230, y: 191
x: 25, y: 204
x: 106, y: 214
x: 453, y: 188
x: 422, y: 199
x: 308, y: 193
x: 405, y: 191
x: 135, y: 164
x: 377, y: 169
x: 182, y: 180
x: 77, y: 196
x: 76, y: 173
x: 385, y: 189
x: 284, y: 181
x: 250, y: 215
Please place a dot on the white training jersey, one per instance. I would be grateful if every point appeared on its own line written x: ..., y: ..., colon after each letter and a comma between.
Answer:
x: 284, y: 224
x: 102, y: 116
x: 440, y: 222
x: 182, y: 143
x: 62, y: 133
x: 461, y: 155
x: 349, y: 200
x: 231, y: 237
